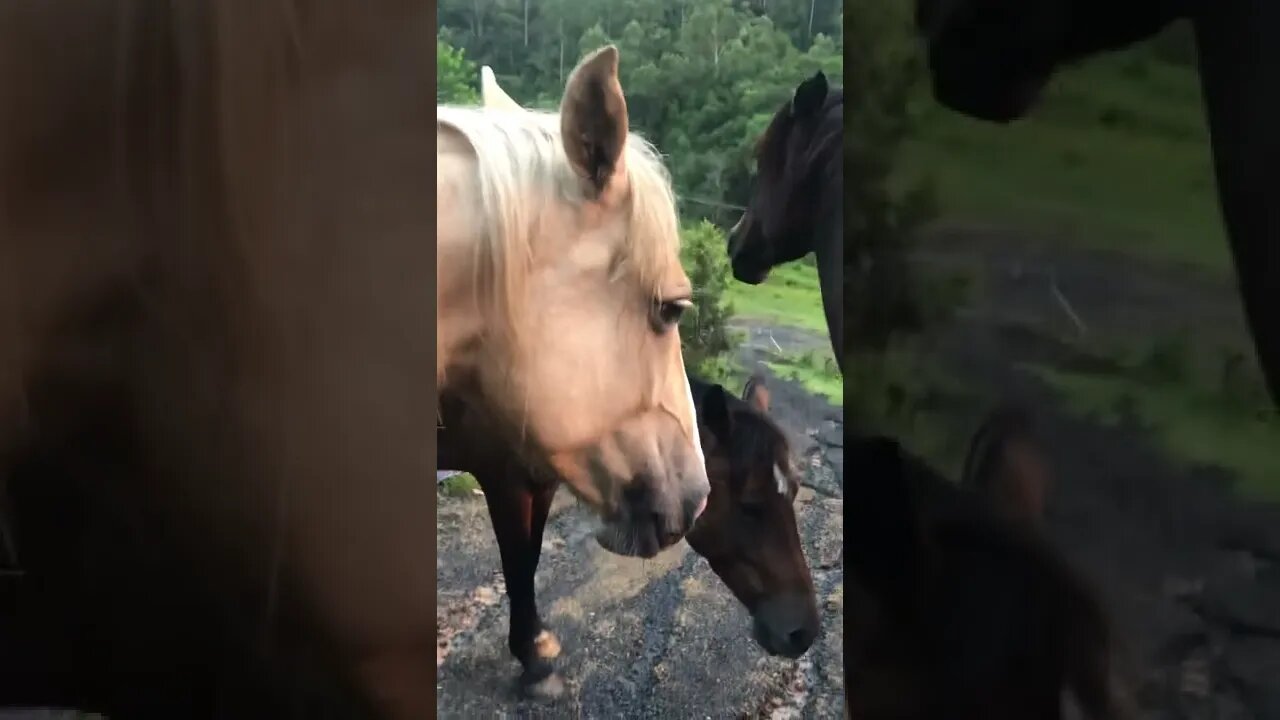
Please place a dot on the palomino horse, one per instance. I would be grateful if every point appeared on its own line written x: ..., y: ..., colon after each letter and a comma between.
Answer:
x: 991, y: 60
x: 748, y: 533
x: 960, y: 608
x: 797, y: 203
x: 212, y: 338
x: 559, y: 288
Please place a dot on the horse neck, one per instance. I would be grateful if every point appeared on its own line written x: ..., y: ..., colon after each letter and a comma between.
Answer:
x: 459, y: 317
x: 459, y: 320
x: 828, y: 249
x: 1239, y: 69
x: 828, y: 232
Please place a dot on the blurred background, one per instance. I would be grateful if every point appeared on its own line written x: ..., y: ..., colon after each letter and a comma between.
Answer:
x: 1075, y: 262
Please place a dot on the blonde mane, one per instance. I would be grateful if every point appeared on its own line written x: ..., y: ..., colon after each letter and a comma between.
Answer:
x: 522, y: 168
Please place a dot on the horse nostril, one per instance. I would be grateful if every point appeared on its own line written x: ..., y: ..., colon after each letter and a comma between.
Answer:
x: 662, y: 531
x: 694, y: 511
x: 800, y: 639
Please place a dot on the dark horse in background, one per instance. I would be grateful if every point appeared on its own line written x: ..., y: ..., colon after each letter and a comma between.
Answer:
x: 747, y: 533
x: 958, y: 607
x: 214, y: 354
x: 990, y: 59
x: 797, y: 199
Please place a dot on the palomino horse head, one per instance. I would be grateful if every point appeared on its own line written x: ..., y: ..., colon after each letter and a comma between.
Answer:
x: 778, y: 225
x: 991, y: 59
x: 559, y: 291
x: 748, y: 533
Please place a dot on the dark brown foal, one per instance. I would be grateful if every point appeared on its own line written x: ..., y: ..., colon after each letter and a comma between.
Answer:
x: 958, y: 607
x: 747, y: 533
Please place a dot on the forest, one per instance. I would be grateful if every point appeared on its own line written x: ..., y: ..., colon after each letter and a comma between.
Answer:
x: 702, y: 77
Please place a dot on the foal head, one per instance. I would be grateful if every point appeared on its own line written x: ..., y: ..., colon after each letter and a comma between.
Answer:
x: 991, y: 58
x: 748, y: 533
x: 560, y: 289
x: 959, y: 608
x: 778, y: 225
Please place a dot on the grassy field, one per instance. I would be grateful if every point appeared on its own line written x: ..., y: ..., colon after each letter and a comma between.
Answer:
x: 790, y: 296
x: 1194, y: 424
x: 460, y: 485
x: 1116, y: 157
x: 815, y: 370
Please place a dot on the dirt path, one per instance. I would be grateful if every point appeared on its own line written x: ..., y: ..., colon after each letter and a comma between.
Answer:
x: 661, y: 638
x: 1191, y: 572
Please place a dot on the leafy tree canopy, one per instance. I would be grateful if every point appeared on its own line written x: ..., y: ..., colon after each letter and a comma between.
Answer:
x: 702, y: 77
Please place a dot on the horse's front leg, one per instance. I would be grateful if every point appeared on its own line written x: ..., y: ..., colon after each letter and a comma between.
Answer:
x: 518, y: 508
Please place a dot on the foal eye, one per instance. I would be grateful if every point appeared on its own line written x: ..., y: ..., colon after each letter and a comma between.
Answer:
x: 667, y: 313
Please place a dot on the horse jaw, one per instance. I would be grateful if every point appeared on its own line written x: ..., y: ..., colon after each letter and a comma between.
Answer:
x: 493, y: 97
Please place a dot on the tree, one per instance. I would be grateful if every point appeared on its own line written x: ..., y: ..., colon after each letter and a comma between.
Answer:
x: 456, y: 77
x: 702, y: 76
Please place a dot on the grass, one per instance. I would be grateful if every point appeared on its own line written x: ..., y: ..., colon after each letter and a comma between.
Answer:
x: 1194, y: 421
x: 790, y: 296
x: 1116, y: 157
x: 460, y: 485
x: 722, y: 370
x: 814, y: 370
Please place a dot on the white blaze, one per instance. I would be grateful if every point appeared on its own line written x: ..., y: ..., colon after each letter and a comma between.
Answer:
x: 780, y: 478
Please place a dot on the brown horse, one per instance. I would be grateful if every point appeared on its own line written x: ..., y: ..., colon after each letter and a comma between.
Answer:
x: 559, y: 289
x: 958, y: 607
x: 797, y: 199
x: 748, y: 533
x: 212, y: 339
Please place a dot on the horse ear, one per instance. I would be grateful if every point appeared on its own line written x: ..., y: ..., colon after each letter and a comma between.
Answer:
x: 715, y: 413
x: 1006, y: 464
x: 756, y: 394
x: 492, y: 96
x: 809, y: 96
x: 593, y: 119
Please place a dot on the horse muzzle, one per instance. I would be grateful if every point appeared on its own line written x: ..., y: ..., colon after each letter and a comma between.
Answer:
x: 749, y: 273
x: 786, y: 624
x: 650, y: 520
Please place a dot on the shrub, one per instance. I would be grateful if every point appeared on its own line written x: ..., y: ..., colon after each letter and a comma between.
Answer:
x: 457, y: 78
x: 704, y: 330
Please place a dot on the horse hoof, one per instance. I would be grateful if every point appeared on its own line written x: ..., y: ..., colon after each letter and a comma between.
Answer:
x: 548, y: 688
x: 546, y: 645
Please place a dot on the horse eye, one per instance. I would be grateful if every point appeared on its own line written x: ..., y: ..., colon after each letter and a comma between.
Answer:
x: 667, y: 313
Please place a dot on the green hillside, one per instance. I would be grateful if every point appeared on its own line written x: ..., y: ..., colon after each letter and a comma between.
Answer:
x: 1117, y: 157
